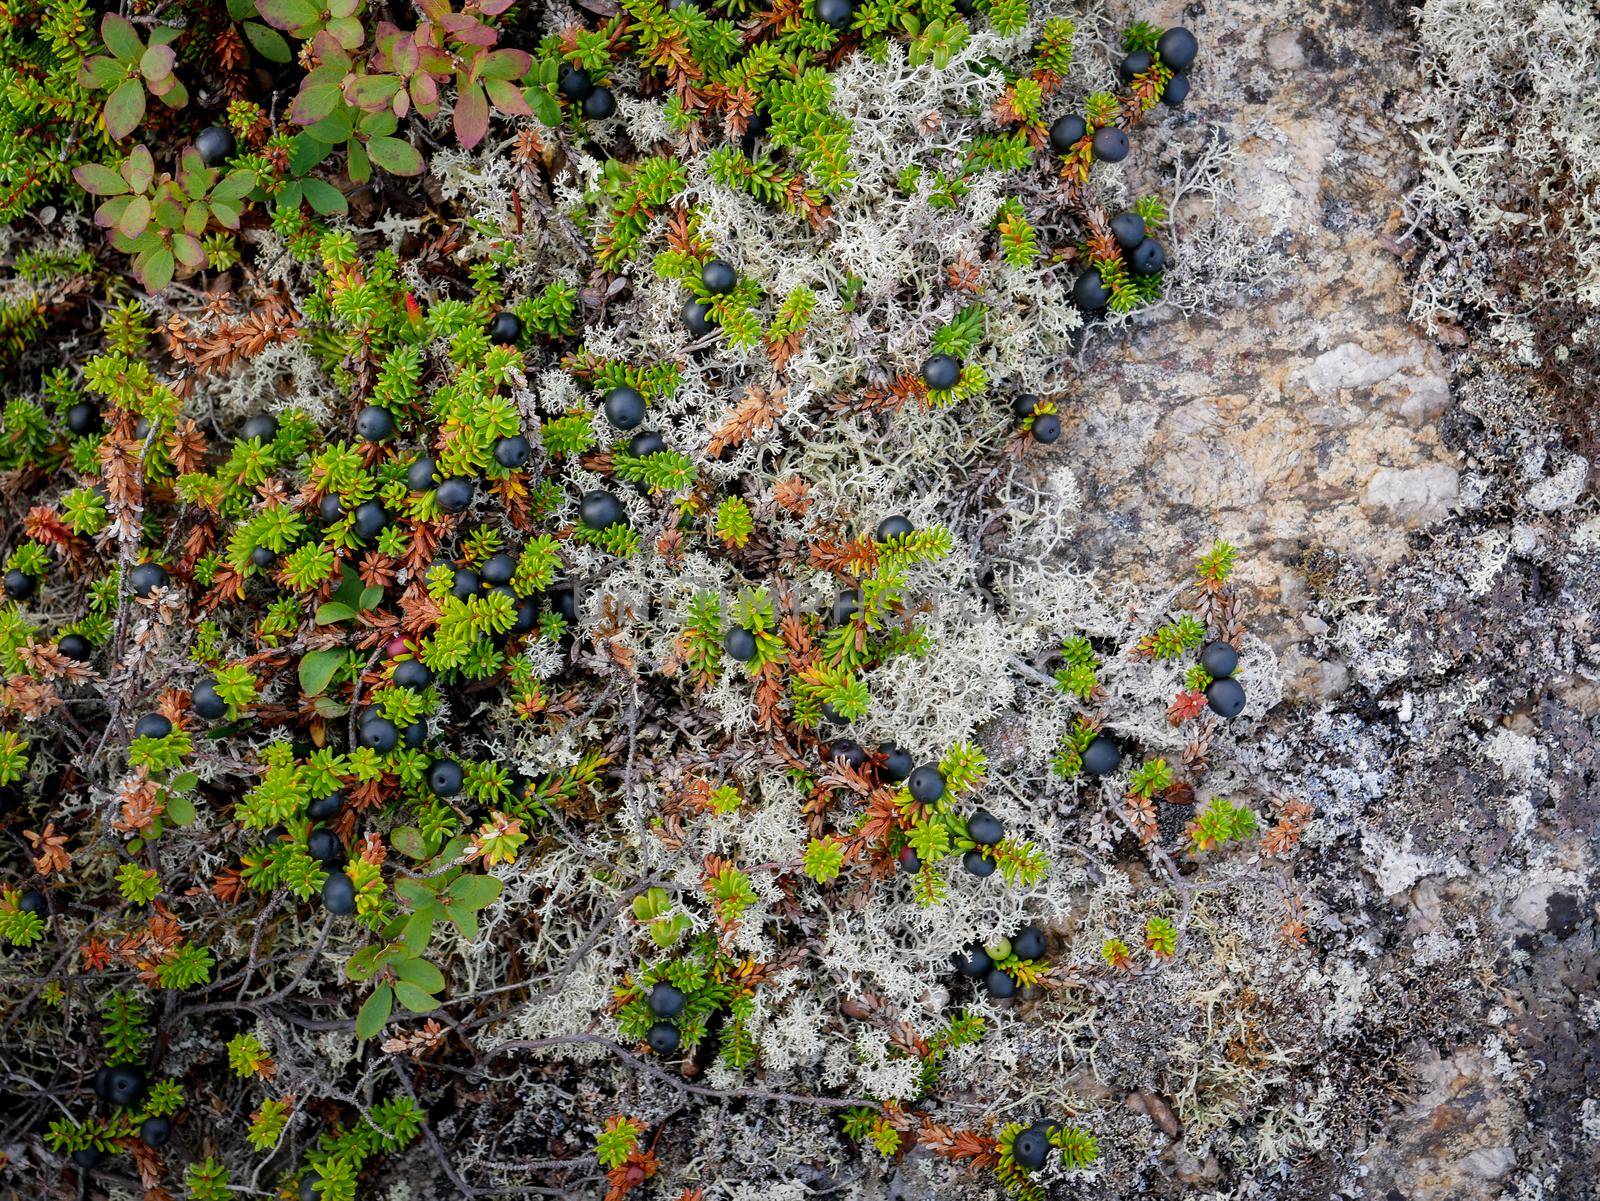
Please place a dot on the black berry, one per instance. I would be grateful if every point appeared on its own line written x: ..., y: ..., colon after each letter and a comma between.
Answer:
x: 663, y: 1038
x: 1028, y: 943
x: 325, y: 808
x: 1089, y: 291
x: 1046, y: 428
x: 31, y: 901
x: 1101, y: 757
x: 563, y: 600
x: 1147, y: 257
x: 1178, y: 48
x: 573, y: 82
x: 999, y: 984
x: 308, y: 1187
x: 263, y: 427
x: 893, y: 527
x: 1030, y: 1149
x: 984, y: 828
x: 1110, y: 144
x: 526, y: 616
x: 1176, y: 91
x: 1127, y: 229
x: 1226, y: 697
x: 599, y: 509
x: 836, y: 13
x: 624, y: 407
x: 215, y: 144
x: 371, y: 518
x: 511, y: 452
x: 125, y: 1085
x: 978, y: 864
x: 505, y: 328
x: 599, y: 104
x: 718, y: 277
x: 75, y: 646
x: 896, y: 762
x: 146, y: 578
x: 465, y: 583
x: 408, y: 673
x: 1066, y: 132
x: 909, y: 861
x: 498, y: 569
x: 972, y: 960
x: 445, y: 777
x: 88, y: 1157
x: 83, y: 419
x: 378, y: 734
x: 414, y: 735
x: 665, y: 1000
x: 646, y: 444
x: 1136, y: 64
x: 375, y: 423
x: 1219, y: 659
x: 155, y: 1131
x: 454, y: 494
x: 849, y: 751
x: 941, y: 372
x: 206, y: 701
x: 330, y: 508
x: 152, y: 725
x: 339, y: 895
x: 845, y: 606
x: 419, y: 476
x: 323, y: 846
x: 19, y: 585
x: 1023, y: 404
x: 740, y: 644
x: 262, y: 557
x: 697, y: 318
x: 926, y: 784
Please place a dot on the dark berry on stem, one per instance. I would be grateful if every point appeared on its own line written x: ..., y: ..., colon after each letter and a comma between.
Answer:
x: 152, y: 725
x: 408, y: 673
x: 155, y: 1131
x: 339, y: 895
x: 599, y: 104
x: 1028, y: 943
x: 941, y: 372
x: 445, y: 777
x: 1176, y: 91
x: 1127, y: 229
x: 1177, y: 48
x: 1046, y: 428
x: 206, y: 701
x: 646, y: 444
x: 624, y: 407
x: 510, y: 452
x: 419, y: 476
x: 893, y: 527
x: 75, y: 646
x: 985, y: 829
x: 1022, y: 404
x: 88, y: 1157
x: 263, y: 427
x: 308, y: 1187
x: 1066, y: 132
x: 262, y: 557
x: 718, y: 277
x: 740, y: 644
x: 972, y: 960
x: 663, y: 1038
x: 375, y: 423
x: 323, y: 846
x: 371, y: 518
x: 697, y: 318
x: 1030, y: 1149
x: 83, y: 418
x: 850, y: 751
x: 845, y: 606
x: 599, y: 509
x: 19, y: 584
x: 896, y: 762
x: 1089, y: 291
x: 330, y: 508
x: 505, y: 328
x: 415, y: 735
x: 498, y: 569
x: 836, y: 13
x: 1136, y: 64
x: 1147, y: 257
x: 215, y: 145
x: 125, y: 1085
x: 31, y: 901
x: 564, y: 601
x: 454, y: 494
x: 978, y: 864
x: 465, y: 583
x: 324, y: 808
x: 146, y: 578
x: 1226, y: 697
x: 1219, y: 659
x: 999, y: 984
x: 573, y: 82
x: 1101, y: 757
x: 665, y: 1000
x: 378, y: 734
x: 1110, y: 144
x: 909, y: 861
x: 926, y: 784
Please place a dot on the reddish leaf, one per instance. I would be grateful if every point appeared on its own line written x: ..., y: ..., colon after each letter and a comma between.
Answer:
x: 472, y: 116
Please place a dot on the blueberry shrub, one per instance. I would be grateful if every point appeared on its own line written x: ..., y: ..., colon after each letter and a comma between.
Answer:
x: 540, y: 654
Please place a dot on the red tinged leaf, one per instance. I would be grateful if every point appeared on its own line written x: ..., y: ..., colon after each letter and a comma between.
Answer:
x: 471, y: 116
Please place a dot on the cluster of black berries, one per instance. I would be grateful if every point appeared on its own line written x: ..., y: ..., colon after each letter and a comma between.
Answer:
x: 124, y: 1085
x: 981, y: 961
x: 666, y: 1001
x: 1177, y: 50
x: 718, y: 278
x: 576, y: 85
x: 624, y: 408
x: 1225, y: 695
x: 1046, y: 427
x: 1142, y: 253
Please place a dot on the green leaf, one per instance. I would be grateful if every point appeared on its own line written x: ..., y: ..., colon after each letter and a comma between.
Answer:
x: 333, y: 611
x: 414, y: 999
x: 474, y: 892
x: 124, y: 109
x: 465, y: 922
x: 416, y: 933
x: 180, y: 809
x: 369, y: 597
x: 99, y: 180
x: 287, y: 14
x: 421, y: 973
x: 395, y: 155
x: 362, y: 964
x: 305, y: 152
x: 121, y: 38
x: 375, y: 1012
x: 325, y: 198
x: 157, y: 270
x: 183, y: 782
x: 268, y: 42
x: 544, y: 105
x: 408, y: 841
x: 317, y: 669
